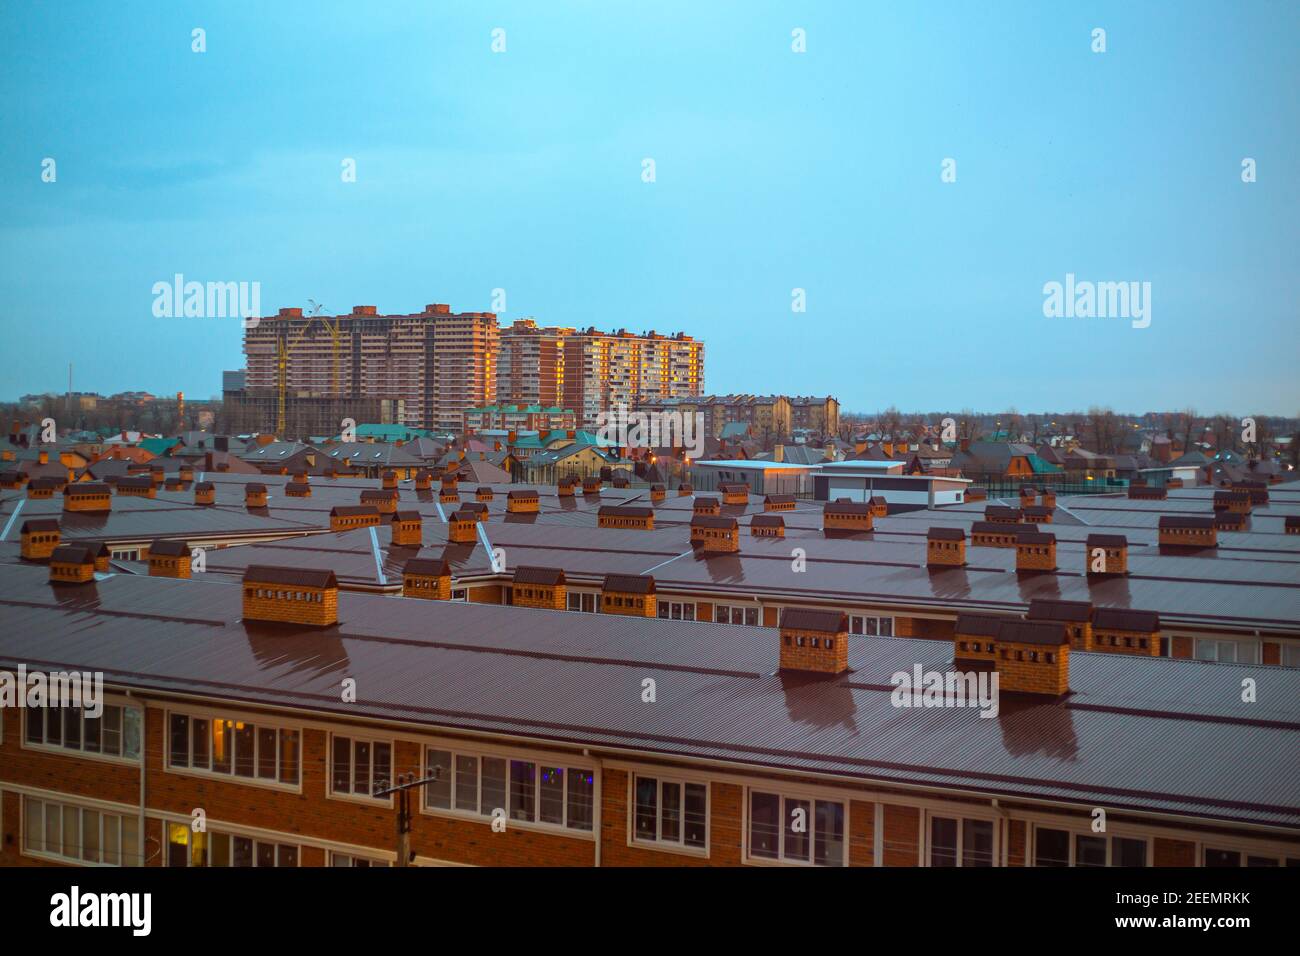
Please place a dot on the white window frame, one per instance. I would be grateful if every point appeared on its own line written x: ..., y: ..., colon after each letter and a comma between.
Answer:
x: 1218, y: 642
x: 680, y: 606
x: 1074, y: 831
x: 226, y: 834
x: 785, y: 794
x: 659, y: 843
x: 25, y: 801
x: 584, y: 597
x: 960, y: 817
x: 62, y: 748
x: 352, y: 795
x: 744, y: 609
x: 880, y: 620
x: 257, y: 723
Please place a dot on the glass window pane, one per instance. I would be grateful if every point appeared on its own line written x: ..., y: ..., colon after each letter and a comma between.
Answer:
x: 54, y: 725
x: 180, y: 737
x: 265, y: 854
x: 71, y: 830
x: 764, y: 825
x: 267, y: 747
x: 977, y: 843
x: 695, y: 816
x: 438, y: 794
x: 91, y: 728
x: 342, y: 782
x: 112, y: 840
x: 943, y: 841
x: 582, y: 785
x: 220, y: 844
x: 53, y: 828
x: 111, y: 724
x: 72, y: 727
x: 288, y: 756
x: 90, y: 835
x: 131, y: 841
x: 131, y: 732
x: 178, y: 845
x: 222, y: 733
x: 382, y: 772
x: 198, y: 849
x: 33, y: 824
x: 243, y: 851
x: 200, y: 740
x: 551, y: 798
x: 798, y: 824
x: 35, y: 717
x: 361, y: 767
x: 670, y: 826
x: 1089, y: 851
x: 467, y: 783
x: 244, y: 738
x: 1222, y: 857
x: 494, y: 785
x: 522, y: 790
x: 646, y: 809
x: 286, y: 855
x: 830, y: 834
x: 1125, y: 851
x: 1052, y: 847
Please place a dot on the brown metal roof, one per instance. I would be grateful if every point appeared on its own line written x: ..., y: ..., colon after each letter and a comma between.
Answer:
x: 39, y: 524
x: 169, y: 549
x: 1035, y: 537
x: 629, y: 583
x: 433, y: 567
x: 810, y: 619
x: 292, y: 577
x: 625, y: 511
x: 1185, y: 521
x: 767, y: 521
x: 713, y: 521
x: 1033, y: 632
x: 1045, y: 609
x: 528, y: 574
x: 352, y: 511
x: 1124, y: 619
x: 72, y: 554
x: 980, y: 625
x: 946, y: 534
x: 93, y: 488
x: 847, y: 508
x: 1106, y: 541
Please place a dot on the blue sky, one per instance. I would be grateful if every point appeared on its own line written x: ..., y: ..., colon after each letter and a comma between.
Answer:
x: 775, y: 170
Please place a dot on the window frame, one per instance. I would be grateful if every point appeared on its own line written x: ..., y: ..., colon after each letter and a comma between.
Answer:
x: 256, y: 723
x: 659, y: 843
x: 784, y: 794
x: 352, y: 795
x: 960, y: 817
x: 24, y: 803
x: 1074, y: 832
x: 123, y: 703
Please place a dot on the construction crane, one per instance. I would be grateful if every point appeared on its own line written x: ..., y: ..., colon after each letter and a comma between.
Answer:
x: 283, y: 347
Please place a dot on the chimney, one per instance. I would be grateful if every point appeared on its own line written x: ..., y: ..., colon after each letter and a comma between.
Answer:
x: 1074, y: 616
x: 351, y: 517
x: 388, y: 479
x: 1047, y: 498
x: 511, y: 436
x: 1233, y: 502
x: 423, y: 479
x: 1036, y: 514
x: 72, y: 564
x: 778, y: 453
x: 1187, y: 531
x: 91, y: 496
x: 714, y: 534
x: 174, y: 484
x: 945, y: 548
x: 383, y: 500
x: 975, y: 638
x: 484, y: 494
x: 169, y: 559
x: 462, y: 528
x: 1033, y: 657
x: 40, y: 537
x: 407, y: 529
x: 879, y: 507
x: 813, y: 640
x: 297, y: 489
x: 43, y: 457
x: 291, y: 595
x: 657, y: 493
x: 205, y: 493
x: 1106, y: 554
x: 187, y: 472
x: 1035, y: 551
x: 427, y: 578
x: 685, y: 491
x: 767, y: 526
x: 707, y: 506
x: 539, y: 588
x: 565, y: 488
x: 523, y: 502
x: 735, y: 494
x: 1028, y: 495
x: 41, y: 488
x: 590, y: 487
x: 254, y: 495
x: 844, y: 515
x: 631, y: 517
x: 631, y: 595
x: 1122, y: 631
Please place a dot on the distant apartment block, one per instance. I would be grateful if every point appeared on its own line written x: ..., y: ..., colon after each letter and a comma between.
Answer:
x: 768, y: 416
x: 519, y: 418
x: 436, y: 363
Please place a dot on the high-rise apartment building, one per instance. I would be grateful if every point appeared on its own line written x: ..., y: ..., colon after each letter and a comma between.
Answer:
x: 604, y: 369
x: 531, y: 368
x: 437, y: 363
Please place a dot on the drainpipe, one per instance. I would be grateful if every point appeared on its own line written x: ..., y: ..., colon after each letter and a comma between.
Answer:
x: 144, y: 713
x: 598, y: 798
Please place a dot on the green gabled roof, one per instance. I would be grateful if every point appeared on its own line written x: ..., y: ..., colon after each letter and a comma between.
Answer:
x: 158, y: 446
x: 1042, y: 467
x: 390, y: 433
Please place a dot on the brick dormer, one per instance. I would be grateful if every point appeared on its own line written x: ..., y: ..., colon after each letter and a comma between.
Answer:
x: 1035, y: 551
x: 157, y: 474
x: 1188, y: 531
x: 72, y: 564
x: 92, y: 496
x: 1075, y: 616
x: 450, y: 480
x: 844, y: 515
x: 427, y: 578
x: 388, y: 479
x: 1173, y: 482
x: 879, y: 506
x: 1146, y: 492
x: 1291, y: 525
x: 1047, y: 498
x: 351, y: 517
x: 169, y: 559
x: 41, y: 488
x: 99, y: 550
x: 484, y: 494
x: 1125, y: 631
x: 1033, y: 657
x: 524, y: 501
x: 767, y: 526
x: 657, y: 493
x: 628, y: 594
x: 384, y: 500
x: 477, y: 509
x: 307, y: 596
x: 39, y: 538
x: 174, y: 484
x: 137, y: 486
x: 1257, y: 489
x: 626, y: 516
x: 1001, y: 514
x: 423, y: 480
x: 1106, y: 554
x: 1035, y: 514
x: 945, y: 548
x: 566, y: 486
x: 814, y: 640
x: 462, y: 527
x: 735, y: 493
x: 591, y: 487
x: 255, y: 495
x: 991, y: 534
x: 1233, y: 502
x: 685, y: 491
x: 706, y: 506
x: 778, y: 503
x: 12, y: 478
x: 714, y: 534
x: 187, y: 472
x: 1028, y: 495
x: 975, y: 636
x: 539, y: 588
x: 407, y: 529
x: 205, y: 493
